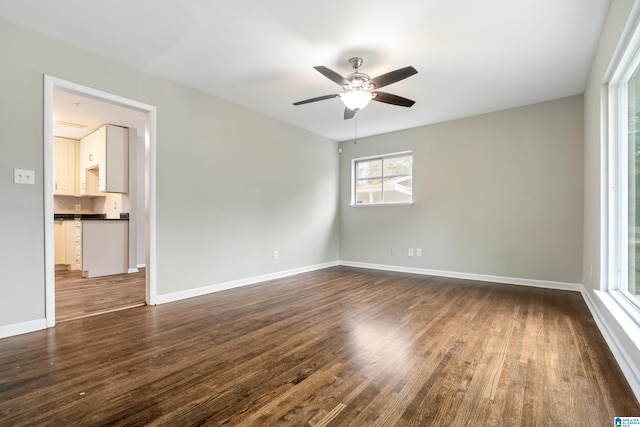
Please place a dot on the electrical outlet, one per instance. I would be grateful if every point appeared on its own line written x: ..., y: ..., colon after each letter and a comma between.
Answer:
x: 78, y: 207
x: 275, y: 255
x: 410, y: 252
x: 24, y: 176
x: 394, y: 251
x: 418, y: 251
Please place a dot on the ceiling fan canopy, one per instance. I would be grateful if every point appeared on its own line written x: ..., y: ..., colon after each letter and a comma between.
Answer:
x: 360, y: 88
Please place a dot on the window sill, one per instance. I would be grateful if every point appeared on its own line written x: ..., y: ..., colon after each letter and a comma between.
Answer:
x: 365, y: 205
x: 627, y: 307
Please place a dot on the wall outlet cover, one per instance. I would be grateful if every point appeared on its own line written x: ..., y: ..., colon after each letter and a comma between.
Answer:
x: 24, y: 176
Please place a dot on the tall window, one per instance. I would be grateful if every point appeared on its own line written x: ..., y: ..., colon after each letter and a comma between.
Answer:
x: 385, y: 179
x: 632, y: 285
x: 624, y: 177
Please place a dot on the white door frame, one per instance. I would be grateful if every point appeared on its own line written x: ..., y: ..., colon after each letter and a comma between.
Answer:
x: 50, y: 85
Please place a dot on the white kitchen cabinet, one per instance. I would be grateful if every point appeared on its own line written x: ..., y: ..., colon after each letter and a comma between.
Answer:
x: 73, y: 244
x: 104, y: 161
x: 67, y: 237
x: 65, y: 168
x: 105, y: 247
x: 59, y: 242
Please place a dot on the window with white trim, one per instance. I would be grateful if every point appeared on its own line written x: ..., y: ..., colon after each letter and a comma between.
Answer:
x: 624, y: 178
x: 383, y: 180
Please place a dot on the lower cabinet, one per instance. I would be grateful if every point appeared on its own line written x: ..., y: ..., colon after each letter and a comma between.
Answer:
x: 105, y: 247
x: 73, y: 247
x: 67, y: 237
x: 59, y: 243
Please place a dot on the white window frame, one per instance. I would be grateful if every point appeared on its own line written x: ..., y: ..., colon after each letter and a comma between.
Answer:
x: 381, y: 157
x: 617, y: 178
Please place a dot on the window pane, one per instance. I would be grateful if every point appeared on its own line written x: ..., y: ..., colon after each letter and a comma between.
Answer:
x: 369, y: 168
x: 368, y: 191
x: 633, y: 126
x: 398, y: 165
x: 383, y: 179
x: 397, y: 189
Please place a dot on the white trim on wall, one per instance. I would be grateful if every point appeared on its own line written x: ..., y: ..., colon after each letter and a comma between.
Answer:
x: 629, y: 366
x: 22, y: 328
x: 578, y: 287
x: 177, y: 296
x: 50, y: 85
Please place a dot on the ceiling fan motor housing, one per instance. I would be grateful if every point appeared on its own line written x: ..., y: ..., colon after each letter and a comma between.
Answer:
x: 357, y: 80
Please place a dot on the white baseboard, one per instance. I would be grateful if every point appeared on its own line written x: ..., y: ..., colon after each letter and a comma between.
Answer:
x: 578, y: 287
x: 132, y: 270
x: 190, y: 293
x: 629, y: 365
x: 23, y: 328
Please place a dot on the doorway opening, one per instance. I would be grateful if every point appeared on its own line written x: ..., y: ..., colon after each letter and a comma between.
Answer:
x: 73, y: 111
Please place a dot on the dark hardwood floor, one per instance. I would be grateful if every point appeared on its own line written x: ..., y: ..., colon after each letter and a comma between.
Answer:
x: 80, y: 297
x: 339, y: 346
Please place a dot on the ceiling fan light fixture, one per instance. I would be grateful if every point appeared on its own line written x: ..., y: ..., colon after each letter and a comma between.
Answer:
x: 356, y: 99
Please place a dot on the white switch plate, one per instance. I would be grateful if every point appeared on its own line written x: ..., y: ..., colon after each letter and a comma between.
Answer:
x: 24, y: 176
x: 275, y: 255
x: 418, y: 251
x: 410, y: 251
x: 393, y: 251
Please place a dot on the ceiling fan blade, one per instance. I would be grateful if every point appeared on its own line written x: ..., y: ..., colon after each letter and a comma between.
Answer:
x: 349, y: 113
x: 319, y: 98
x: 392, y: 77
x: 332, y: 75
x: 389, y: 98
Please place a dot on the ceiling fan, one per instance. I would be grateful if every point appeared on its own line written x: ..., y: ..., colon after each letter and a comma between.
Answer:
x: 359, y: 88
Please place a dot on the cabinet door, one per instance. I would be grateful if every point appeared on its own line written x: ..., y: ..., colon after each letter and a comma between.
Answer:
x: 114, y: 170
x: 105, y: 161
x: 73, y: 244
x: 91, y: 155
x: 64, y: 166
x: 59, y: 242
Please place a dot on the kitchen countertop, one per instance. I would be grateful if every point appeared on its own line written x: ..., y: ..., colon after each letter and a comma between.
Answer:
x: 89, y: 217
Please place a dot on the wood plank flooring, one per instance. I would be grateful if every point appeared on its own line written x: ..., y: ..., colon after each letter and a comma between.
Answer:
x: 335, y: 347
x: 78, y: 297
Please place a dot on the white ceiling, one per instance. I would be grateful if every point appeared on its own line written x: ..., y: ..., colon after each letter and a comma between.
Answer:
x: 76, y: 116
x: 472, y: 56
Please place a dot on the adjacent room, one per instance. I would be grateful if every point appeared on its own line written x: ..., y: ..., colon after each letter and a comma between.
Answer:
x: 278, y: 213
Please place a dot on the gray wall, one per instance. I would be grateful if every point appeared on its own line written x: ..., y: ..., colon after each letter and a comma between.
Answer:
x: 232, y: 185
x: 499, y: 194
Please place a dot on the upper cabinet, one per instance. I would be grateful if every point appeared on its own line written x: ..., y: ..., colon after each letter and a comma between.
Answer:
x: 104, y: 161
x: 65, y: 166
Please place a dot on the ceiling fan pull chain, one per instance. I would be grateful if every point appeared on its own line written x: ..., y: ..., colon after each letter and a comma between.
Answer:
x: 355, y: 137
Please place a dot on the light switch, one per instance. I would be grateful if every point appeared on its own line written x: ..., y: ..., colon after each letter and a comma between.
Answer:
x: 24, y: 176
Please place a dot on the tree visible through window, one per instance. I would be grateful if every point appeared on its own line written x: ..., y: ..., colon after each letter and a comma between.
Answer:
x: 383, y: 180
